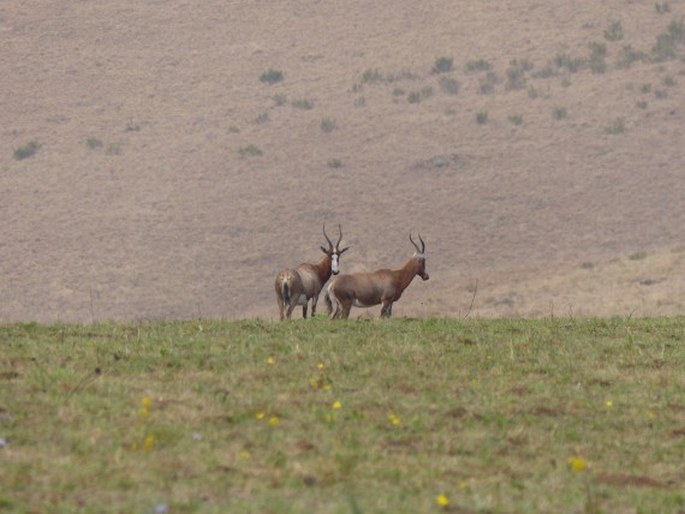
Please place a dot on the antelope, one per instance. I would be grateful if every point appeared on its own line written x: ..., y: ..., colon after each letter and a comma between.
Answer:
x: 383, y: 286
x: 298, y: 286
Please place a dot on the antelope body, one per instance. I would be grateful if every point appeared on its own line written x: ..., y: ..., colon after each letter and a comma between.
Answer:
x: 300, y: 285
x: 383, y: 286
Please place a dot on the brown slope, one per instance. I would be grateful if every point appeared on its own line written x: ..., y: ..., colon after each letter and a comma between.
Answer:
x: 166, y: 219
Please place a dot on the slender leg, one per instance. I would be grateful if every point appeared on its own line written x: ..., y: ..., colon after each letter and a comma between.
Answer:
x: 315, y: 299
x: 279, y: 300
x: 386, y: 310
x: 304, y: 310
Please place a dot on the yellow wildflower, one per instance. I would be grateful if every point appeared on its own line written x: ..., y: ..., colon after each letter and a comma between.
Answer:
x: 146, y: 402
x: 608, y: 404
x: 271, y: 360
x: 259, y: 415
x: 337, y: 405
x: 394, y: 420
x: 442, y: 500
x: 577, y: 464
x: 274, y: 421
x: 321, y: 365
x: 149, y: 442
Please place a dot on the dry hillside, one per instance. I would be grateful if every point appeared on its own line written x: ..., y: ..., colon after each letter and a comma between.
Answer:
x: 538, y: 148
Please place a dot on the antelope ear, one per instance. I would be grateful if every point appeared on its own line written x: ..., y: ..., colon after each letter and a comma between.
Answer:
x: 323, y: 250
x: 343, y: 250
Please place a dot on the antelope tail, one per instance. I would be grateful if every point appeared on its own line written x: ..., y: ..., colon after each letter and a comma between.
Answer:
x: 285, y: 291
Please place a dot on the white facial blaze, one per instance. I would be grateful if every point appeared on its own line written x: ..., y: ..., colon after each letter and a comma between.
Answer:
x: 335, y: 268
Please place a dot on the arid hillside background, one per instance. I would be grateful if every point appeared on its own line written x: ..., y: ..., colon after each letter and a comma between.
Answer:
x: 153, y: 165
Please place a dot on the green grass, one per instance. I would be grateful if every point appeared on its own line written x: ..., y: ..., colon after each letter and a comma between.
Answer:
x: 344, y: 417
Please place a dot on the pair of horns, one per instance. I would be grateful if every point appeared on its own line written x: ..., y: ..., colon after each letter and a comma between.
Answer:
x: 423, y: 245
x: 328, y: 239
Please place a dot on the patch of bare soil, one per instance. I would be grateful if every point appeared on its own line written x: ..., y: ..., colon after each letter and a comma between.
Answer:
x: 537, y: 148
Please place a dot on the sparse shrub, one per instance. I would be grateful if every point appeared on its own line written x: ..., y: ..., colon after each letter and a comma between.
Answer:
x: 132, y: 126
x: 571, y: 64
x: 280, y: 100
x: 662, y: 7
x: 646, y: 88
x: 516, y: 119
x: 638, y: 256
x: 559, y: 113
x: 660, y: 94
x: 587, y: 265
x: 532, y: 93
x: 233, y: 129
x: 360, y: 102
x: 641, y: 104
x: 477, y: 65
x: 598, y: 52
x: 335, y: 163
x: 548, y: 70
x: 614, y: 31
x: 617, y: 127
x: 250, y: 151
x: 328, y: 125
x: 262, y: 118
x: 482, y: 117
x: 271, y: 76
x: 93, y: 143
x: 443, y: 65
x: 26, y: 151
x: 487, y: 84
x: 427, y: 92
x: 113, y: 149
x: 449, y: 85
x: 398, y: 91
x: 627, y: 56
x: 664, y: 49
x: 414, y: 97
x: 669, y: 81
x: 516, y: 78
x: 371, y: 76
x: 304, y: 104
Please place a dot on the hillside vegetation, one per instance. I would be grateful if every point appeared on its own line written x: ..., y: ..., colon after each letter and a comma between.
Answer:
x: 408, y: 416
x: 161, y: 161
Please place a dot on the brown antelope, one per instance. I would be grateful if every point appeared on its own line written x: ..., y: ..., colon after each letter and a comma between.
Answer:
x: 383, y: 286
x: 298, y: 286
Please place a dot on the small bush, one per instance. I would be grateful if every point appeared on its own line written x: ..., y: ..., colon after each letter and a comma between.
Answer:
x: 516, y: 119
x: 304, y: 104
x: 449, y: 85
x: 477, y: 65
x: 516, y: 78
x: 414, y: 97
x: 398, y: 91
x: 641, y: 104
x: 250, y: 151
x: 571, y: 64
x: 443, y: 65
x: 482, y: 117
x: 559, y: 113
x: 94, y: 142
x: 617, y: 127
x: 271, y: 76
x: 598, y: 52
x: 262, y: 118
x: 280, y: 100
x: 372, y: 76
x: 662, y: 7
x: 26, y: 151
x: 627, y: 56
x: 614, y: 31
x: 334, y: 164
x: 487, y: 84
x: 328, y: 125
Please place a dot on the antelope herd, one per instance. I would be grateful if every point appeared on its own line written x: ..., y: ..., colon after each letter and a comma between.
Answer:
x: 297, y: 286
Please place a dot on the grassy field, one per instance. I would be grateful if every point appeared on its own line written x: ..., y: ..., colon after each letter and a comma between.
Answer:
x: 430, y: 415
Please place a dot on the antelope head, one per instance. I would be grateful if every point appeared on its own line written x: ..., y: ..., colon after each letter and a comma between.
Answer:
x: 420, y: 256
x: 333, y: 251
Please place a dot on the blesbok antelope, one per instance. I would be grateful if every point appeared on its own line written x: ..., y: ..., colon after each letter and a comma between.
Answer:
x: 300, y: 285
x: 383, y: 286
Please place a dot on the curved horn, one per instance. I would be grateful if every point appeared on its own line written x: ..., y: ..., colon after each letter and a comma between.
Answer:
x: 415, y: 245
x: 340, y: 238
x: 423, y: 245
x: 330, y: 244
